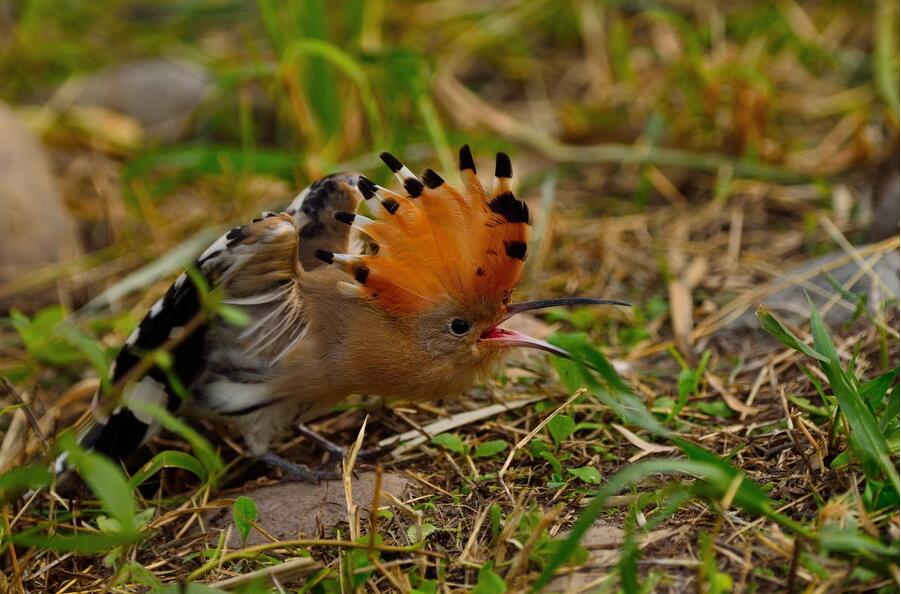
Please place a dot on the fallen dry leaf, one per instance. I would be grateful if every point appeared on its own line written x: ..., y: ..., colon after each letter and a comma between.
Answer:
x: 646, y: 447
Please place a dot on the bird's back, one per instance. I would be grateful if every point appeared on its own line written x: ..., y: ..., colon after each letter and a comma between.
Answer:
x: 215, y: 367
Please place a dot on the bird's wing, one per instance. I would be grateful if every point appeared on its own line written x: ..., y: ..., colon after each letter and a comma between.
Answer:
x: 254, y: 266
x: 313, y: 211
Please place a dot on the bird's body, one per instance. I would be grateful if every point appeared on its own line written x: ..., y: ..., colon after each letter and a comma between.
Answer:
x: 409, y: 308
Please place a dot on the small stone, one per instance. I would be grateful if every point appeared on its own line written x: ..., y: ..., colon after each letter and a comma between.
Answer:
x: 36, y: 230
x: 161, y: 94
x: 293, y: 510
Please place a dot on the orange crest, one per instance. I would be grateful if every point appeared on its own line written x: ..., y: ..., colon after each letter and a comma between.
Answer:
x: 436, y: 242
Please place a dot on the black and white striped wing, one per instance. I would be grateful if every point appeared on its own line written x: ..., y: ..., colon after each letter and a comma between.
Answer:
x: 255, y: 264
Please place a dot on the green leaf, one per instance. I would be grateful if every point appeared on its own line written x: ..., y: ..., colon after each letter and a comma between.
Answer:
x: 413, y: 532
x: 552, y: 460
x: 717, y: 408
x: 628, y: 565
x: 244, y: 514
x: 874, y: 391
x: 837, y: 540
x: 869, y: 445
x: 489, y: 582
x: 168, y: 459
x: 105, y: 479
x: 841, y: 460
x: 687, y: 383
x: 205, y: 453
x: 586, y: 474
x: 50, y: 339
x: 775, y: 329
x: 612, y: 391
x: 495, y: 516
x: 490, y: 448
x: 90, y: 543
x: 560, y: 428
x: 888, y: 424
x: 822, y: 342
x: 133, y: 571
x: 13, y: 482
x: 450, y: 441
x: 426, y: 587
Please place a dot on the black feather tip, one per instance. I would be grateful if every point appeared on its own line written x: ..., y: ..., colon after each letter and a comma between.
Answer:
x: 361, y: 274
x: 391, y: 161
x: 345, y: 217
x: 390, y: 205
x: 366, y: 187
x: 413, y: 187
x: 432, y: 179
x: 516, y: 249
x: 466, y: 161
x: 503, y: 167
x: 326, y: 256
x: 507, y: 206
x: 235, y: 236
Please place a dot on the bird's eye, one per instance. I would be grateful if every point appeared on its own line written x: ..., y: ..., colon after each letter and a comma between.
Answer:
x: 459, y: 326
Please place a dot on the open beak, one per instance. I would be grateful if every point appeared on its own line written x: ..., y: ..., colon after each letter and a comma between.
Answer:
x: 512, y: 338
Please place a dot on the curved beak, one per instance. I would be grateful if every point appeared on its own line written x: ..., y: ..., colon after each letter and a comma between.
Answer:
x: 515, y: 308
x: 512, y: 338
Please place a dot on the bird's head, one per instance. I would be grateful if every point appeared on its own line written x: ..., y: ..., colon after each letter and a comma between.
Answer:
x: 443, y: 263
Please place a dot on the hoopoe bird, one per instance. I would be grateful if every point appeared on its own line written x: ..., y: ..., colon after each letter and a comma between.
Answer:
x: 407, y: 305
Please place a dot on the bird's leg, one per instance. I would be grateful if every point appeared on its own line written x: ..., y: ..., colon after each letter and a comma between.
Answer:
x: 298, y: 472
x: 336, y: 452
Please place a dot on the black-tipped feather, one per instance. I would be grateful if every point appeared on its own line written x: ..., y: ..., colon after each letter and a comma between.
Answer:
x: 391, y: 161
x: 366, y: 187
x: 345, y: 217
x: 391, y: 205
x: 507, y: 206
x: 432, y: 179
x: 466, y: 160
x: 503, y: 167
x: 413, y: 187
x: 325, y: 256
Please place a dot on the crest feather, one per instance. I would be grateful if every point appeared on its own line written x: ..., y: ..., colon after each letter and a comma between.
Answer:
x: 436, y: 242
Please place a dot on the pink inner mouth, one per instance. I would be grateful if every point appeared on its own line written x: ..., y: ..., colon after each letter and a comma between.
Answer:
x: 495, y: 333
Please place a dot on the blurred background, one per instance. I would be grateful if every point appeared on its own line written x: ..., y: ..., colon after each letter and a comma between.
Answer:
x: 695, y: 158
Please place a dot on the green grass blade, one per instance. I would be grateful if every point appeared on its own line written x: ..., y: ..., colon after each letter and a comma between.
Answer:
x: 869, y: 444
x: 207, y: 456
x: 749, y: 495
x: 627, y: 476
x: 13, y: 482
x: 90, y: 543
x: 105, y: 479
x: 168, y: 459
x: 614, y: 392
x: 851, y: 542
x: 777, y: 330
x: 321, y: 86
x: 346, y: 63
x: 875, y: 390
